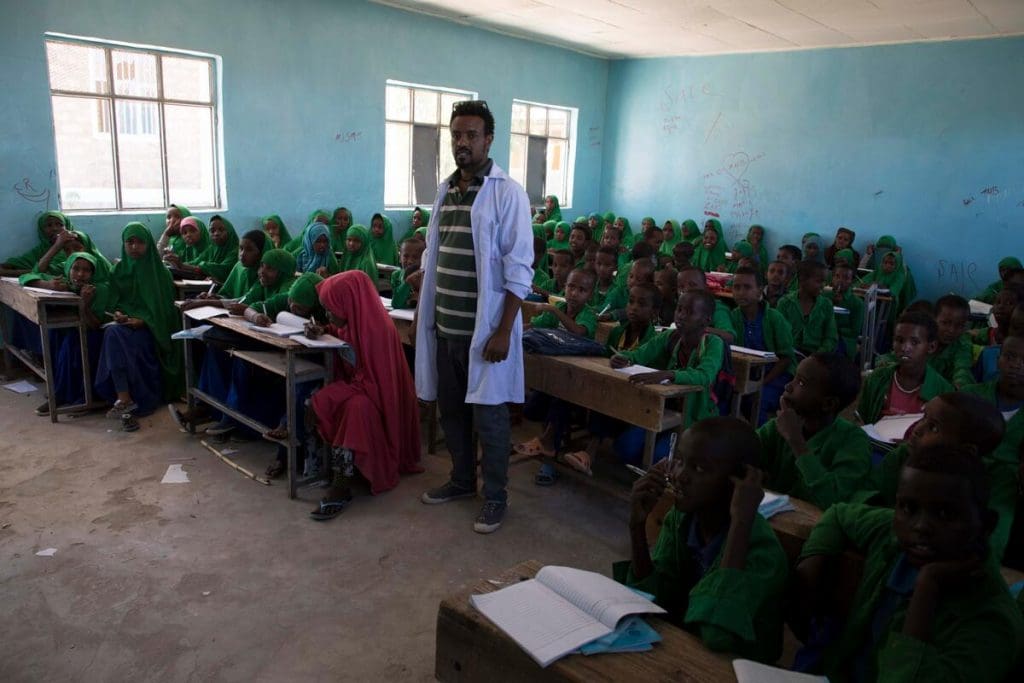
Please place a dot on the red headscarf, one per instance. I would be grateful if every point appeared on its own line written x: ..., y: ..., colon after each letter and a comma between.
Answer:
x: 385, y: 441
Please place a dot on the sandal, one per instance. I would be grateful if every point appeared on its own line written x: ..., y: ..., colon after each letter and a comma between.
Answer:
x: 275, y: 469
x: 532, y: 448
x: 547, y: 475
x: 277, y: 434
x: 579, y: 461
x: 329, y: 509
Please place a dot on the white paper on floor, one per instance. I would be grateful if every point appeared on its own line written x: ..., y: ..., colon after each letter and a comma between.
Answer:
x: 49, y: 552
x: 228, y: 451
x: 175, y: 475
x: 22, y: 387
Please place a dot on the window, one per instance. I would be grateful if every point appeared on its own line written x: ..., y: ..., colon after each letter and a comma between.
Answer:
x: 135, y: 128
x: 540, y: 152
x: 417, y: 142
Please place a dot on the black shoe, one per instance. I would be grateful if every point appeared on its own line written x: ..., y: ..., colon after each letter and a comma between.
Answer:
x: 490, y: 517
x: 444, y: 493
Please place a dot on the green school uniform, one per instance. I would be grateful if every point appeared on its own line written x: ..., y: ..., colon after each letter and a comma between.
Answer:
x: 543, y: 280
x: 701, y: 368
x: 778, y: 337
x: 976, y: 631
x: 384, y: 248
x: 885, y: 477
x: 273, y: 299
x: 218, y: 261
x: 721, y: 319
x: 284, y: 237
x: 191, y: 252
x: 710, y: 259
x: 814, y: 332
x: 100, y: 281
x: 670, y: 242
x: 362, y: 259
x: 738, y: 611
x: 836, y: 464
x: 954, y: 362
x: 618, y: 333
x: 29, y: 259
x: 1002, y: 469
x: 599, y: 299
x: 400, y: 290
x: 876, y: 389
x: 992, y: 291
x: 849, y: 327
x: 586, y: 317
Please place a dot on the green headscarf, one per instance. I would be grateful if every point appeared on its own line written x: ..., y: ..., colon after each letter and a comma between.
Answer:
x: 177, y: 242
x: 670, y: 242
x: 284, y: 236
x: 1010, y: 262
x: 100, y: 280
x: 846, y: 255
x: 143, y: 288
x: 190, y: 253
x: 362, y: 259
x: 895, y: 281
x: 628, y: 238
x: 554, y: 242
x: 303, y: 291
x: 60, y: 258
x: 708, y: 259
x: 338, y: 238
x: 384, y: 248
x: 742, y: 249
x: 218, y: 261
x: 30, y: 258
x: 424, y: 221
x: 556, y: 210
x: 284, y: 263
x: 241, y: 279
x: 598, y: 232
x: 762, y: 254
x: 691, y: 231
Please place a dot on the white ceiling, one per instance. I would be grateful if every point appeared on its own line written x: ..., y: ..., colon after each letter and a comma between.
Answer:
x: 665, y: 28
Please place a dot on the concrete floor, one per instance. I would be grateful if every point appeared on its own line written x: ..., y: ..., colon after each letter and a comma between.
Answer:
x: 224, y: 579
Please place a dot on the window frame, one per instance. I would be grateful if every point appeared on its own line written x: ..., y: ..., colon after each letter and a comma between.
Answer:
x: 412, y: 124
x: 565, y: 198
x: 110, y: 100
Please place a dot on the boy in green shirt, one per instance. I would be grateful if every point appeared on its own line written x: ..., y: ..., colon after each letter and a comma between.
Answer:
x: 607, y: 296
x: 931, y: 604
x: 848, y: 325
x: 561, y: 266
x: 638, y: 272
x: 693, y: 279
x: 810, y: 314
x: 717, y: 567
x: 953, y: 357
x: 808, y: 450
x: 410, y: 256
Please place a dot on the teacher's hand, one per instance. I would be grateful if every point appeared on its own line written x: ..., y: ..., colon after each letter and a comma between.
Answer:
x: 496, y: 349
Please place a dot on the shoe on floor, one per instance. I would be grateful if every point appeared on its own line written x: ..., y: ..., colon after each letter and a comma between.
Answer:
x: 221, y: 428
x: 445, y: 493
x: 44, y: 409
x: 490, y: 517
x: 119, y: 409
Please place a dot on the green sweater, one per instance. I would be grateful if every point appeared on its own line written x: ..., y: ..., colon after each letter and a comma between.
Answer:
x: 876, y: 389
x: 849, y: 326
x: 701, y: 369
x: 617, y: 333
x: 586, y: 317
x: 976, y: 632
x: 613, y: 294
x: 400, y: 291
x: 778, y: 337
x: 732, y: 610
x: 814, y: 332
x: 836, y: 465
x: 722, y: 318
x: 954, y: 362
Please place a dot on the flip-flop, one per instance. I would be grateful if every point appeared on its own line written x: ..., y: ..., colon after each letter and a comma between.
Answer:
x: 329, y: 509
x: 532, y: 448
x: 579, y: 461
x: 547, y: 475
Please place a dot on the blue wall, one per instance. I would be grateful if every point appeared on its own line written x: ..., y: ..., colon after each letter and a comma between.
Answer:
x: 923, y: 141
x: 295, y: 75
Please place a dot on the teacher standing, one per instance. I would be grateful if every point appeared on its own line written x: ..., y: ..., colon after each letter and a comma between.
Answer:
x: 469, y: 352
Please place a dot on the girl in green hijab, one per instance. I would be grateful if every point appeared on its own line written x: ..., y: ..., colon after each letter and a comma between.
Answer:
x: 595, y: 222
x: 741, y: 251
x: 890, y: 275
x: 219, y: 257
x: 709, y: 255
x: 561, y: 235
x: 552, y: 210
x: 48, y: 225
x: 171, y: 240
x: 244, y: 273
x: 628, y: 238
x: 51, y: 264
x: 1006, y: 265
x: 358, y: 255
x: 270, y: 294
x: 420, y: 219
x: 691, y: 232
x: 755, y: 237
x: 382, y: 241
x: 140, y: 366
x: 276, y: 231
x: 670, y: 231
x: 341, y: 219
x: 302, y: 298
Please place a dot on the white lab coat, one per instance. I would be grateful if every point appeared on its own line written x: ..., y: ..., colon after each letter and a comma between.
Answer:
x: 503, y: 247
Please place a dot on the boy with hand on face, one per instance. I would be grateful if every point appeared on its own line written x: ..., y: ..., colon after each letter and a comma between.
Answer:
x: 410, y: 254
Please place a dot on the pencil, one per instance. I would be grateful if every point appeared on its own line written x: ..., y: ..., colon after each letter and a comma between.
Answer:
x: 636, y: 470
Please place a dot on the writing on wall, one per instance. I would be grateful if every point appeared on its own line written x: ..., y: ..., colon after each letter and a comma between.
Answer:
x: 348, y: 136
x: 677, y: 104
x: 957, y: 276
x: 27, y: 191
x: 729, y: 194
x: 594, y: 136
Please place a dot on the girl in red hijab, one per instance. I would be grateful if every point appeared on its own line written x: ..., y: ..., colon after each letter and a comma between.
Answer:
x: 369, y: 415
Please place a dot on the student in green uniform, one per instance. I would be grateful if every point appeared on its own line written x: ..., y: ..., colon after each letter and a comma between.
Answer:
x: 809, y: 313
x: 775, y: 282
x: 891, y: 275
x: 740, y: 250
x: 541, y: 268
x: 638, y: 272
x: 686, y: 355
x: 953, y: 357
x: 552, y: 209
x: 171, y: 241
x: 693, y: 279
x: 808, y: 450
x: 904, y: 387
x: 848, y: 325
x: 622, y: 225
x: 1005, y: 266
x: 275, y: 229
x: 341, y: 219
x: 763, y: 328
x: 358, y: 255
x: 219, y: 257
x: 48, y: 226
x: 755, y: 237
x: 691, y: 232
x: 196, y: 238
x: 710, y: 253
x: 382, y: 240
x: 717, y: 567
x: 671, y: 236
x: 667, y: 282
x: 931, y: 604
x: 411, y: 255
x: 270, y: 296
x: 579, y: 235
x: 612, y: 238
x: 243, y: 275
x: 606, y: 295
x: 654, y: 237
x: 560, y: 235
x: 682, y: 254
x: 843, y: 242
x: 1006, y: 393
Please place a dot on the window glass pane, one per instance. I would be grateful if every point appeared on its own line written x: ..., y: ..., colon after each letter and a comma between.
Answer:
x: 538, y: 121
x: 397, y: 158
x: 134, y: 73
x: 446, y: 161
x: 190, y: 150
x: 519, y: 112
x: 447, y: 100
x: 396, y: 103
x: 85, y: 161
x: 77, y: 67
x: 186, y: 79
x: 556, y: 167
x: 558, y: 123
x: 424, y: 108
x: 517, y: 159
x: 138, y: 156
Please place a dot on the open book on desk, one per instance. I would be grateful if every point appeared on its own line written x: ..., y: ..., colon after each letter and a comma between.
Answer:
x: 747, y: 351
x: 293, y: 327
x: 560, y: 610
x: 892, y: 428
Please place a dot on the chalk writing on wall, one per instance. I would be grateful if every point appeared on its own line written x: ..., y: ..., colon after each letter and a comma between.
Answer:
x: 677, y: 102
x: 957, y: 276
x: 729, y: 194
x: 594, y: 136
x: 29, y: 193
x: 349, y: 136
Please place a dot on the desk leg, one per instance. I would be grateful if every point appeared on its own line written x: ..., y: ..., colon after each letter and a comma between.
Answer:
x: 650, y: 438
x: 83, y: 345
x: 44, y: 333
x: 190, y: 399
x: 289, y: 382
x: 755, y: 408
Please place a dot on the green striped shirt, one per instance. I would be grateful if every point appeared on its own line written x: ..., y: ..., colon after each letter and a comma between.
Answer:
x: 456, y: 294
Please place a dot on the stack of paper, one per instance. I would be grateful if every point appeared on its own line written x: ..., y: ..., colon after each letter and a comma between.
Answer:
x: 979, y: 307
x: 774, y: 503
x: 206, y: 312
x: 767, y: 355
x: 892, y: 428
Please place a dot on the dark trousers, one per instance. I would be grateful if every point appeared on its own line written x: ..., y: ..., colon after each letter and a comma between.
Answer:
x: 459, y: 418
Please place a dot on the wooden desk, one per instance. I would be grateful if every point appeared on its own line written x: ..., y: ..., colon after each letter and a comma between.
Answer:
x: 749, y: 371
x: 50, y: 311
x: 471, y: 648
x: 187, y: 288
x: 282, y: 358
x: 590, y: 382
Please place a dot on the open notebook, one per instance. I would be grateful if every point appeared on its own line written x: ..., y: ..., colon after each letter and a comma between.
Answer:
x: 560, y: 610
x: 294, y: 327
x: 892, y: 428
x: 754, y: 672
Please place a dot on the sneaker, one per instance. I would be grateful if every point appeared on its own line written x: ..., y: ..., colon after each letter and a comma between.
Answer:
x: 44, y: 409
x: 490, y: 517
x: 444, y: 493
x: 119, y: 410
x: 221, y: 428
